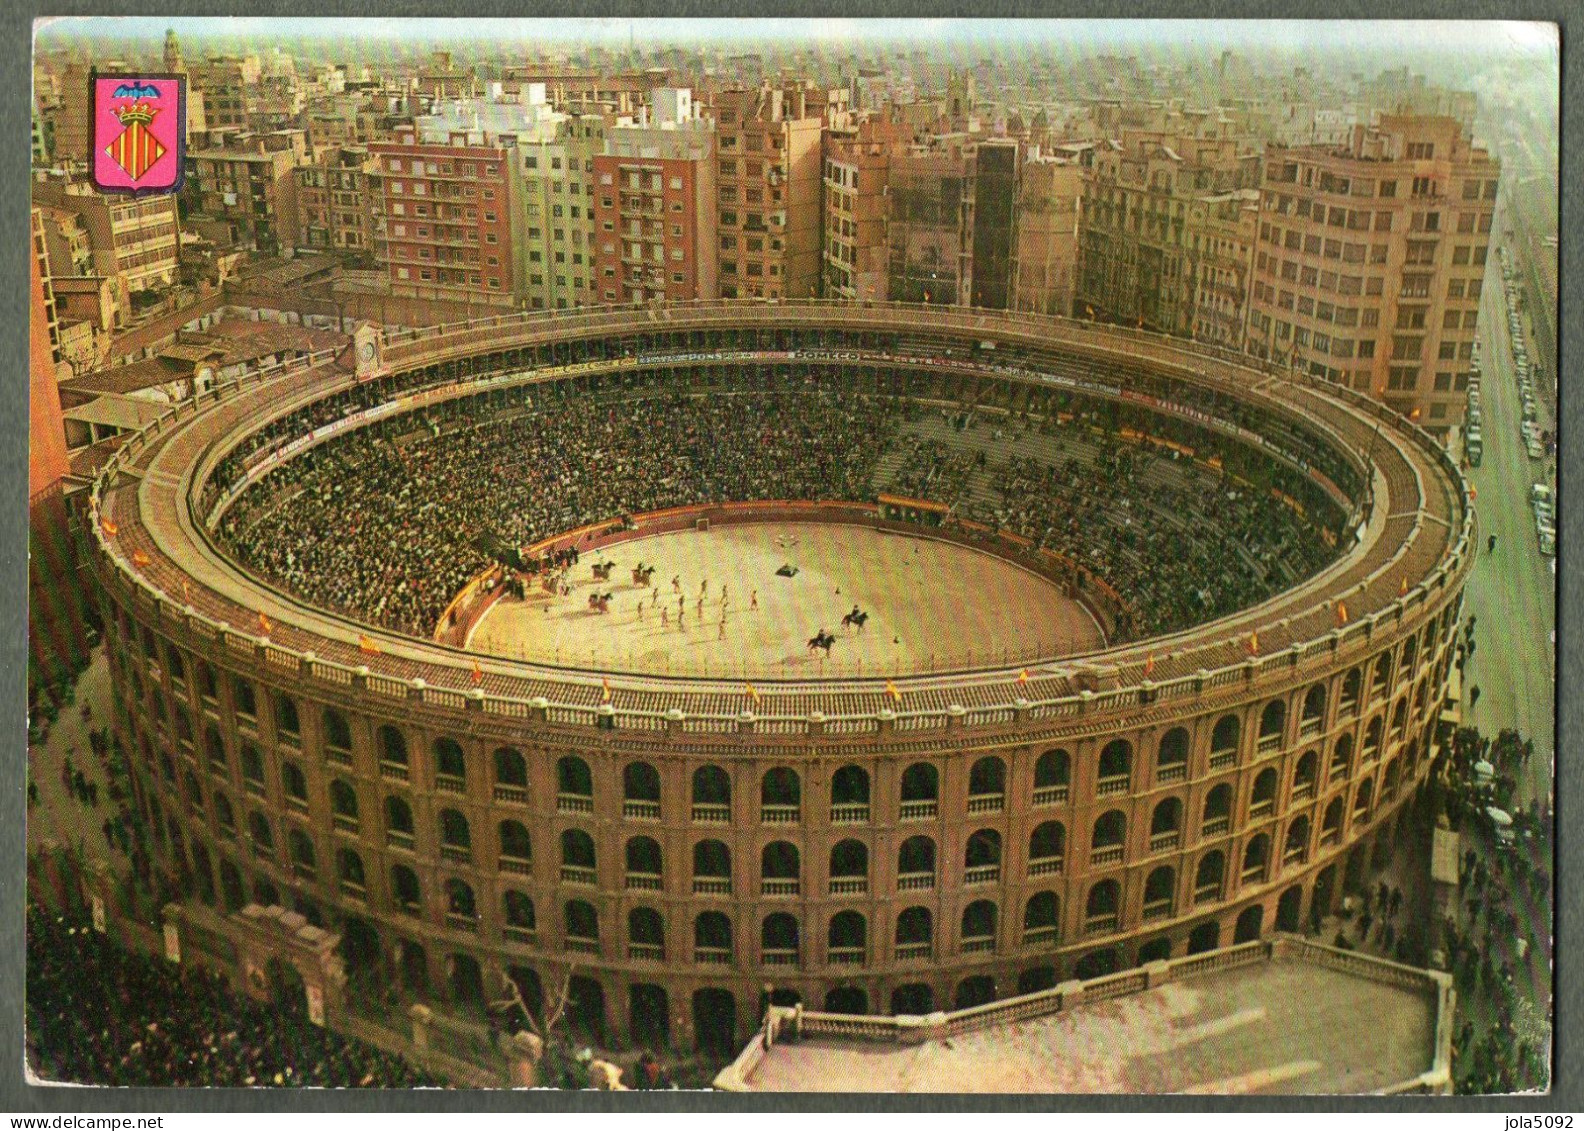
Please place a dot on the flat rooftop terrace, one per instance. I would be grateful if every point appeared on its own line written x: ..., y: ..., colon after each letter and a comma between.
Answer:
x: 1294, y: 1019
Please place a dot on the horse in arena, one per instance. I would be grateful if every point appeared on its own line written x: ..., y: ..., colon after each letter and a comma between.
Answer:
x: 642, y: 575
x: 602, y: 571
x: 855, y: 619
x: 822, y: 639
x: 600, y: 602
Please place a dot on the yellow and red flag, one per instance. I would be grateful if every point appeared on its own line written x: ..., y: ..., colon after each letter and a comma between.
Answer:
x: 186, y: 592
x: 891, y: 690
x: 264, y: 623
x: 751, y: 691
x: 110, y: 528
x: 1149, y: 665
x: 1253, y: 644
x: 367, y: 646
x: 1023, y: 676
x: 1402, y: 588
x: 1342, y: 613
x: 478, y: 673
x: 140, y: 559
x: 604, y: 690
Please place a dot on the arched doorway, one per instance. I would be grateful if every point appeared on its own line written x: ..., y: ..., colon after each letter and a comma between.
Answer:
x: 1248, y: 925
x: 1206, y: 936
x: 531, y: 990
x: 977, y: 990
x: 286, y: 989
x: 1037, y: 978
x: 1156, y: 950
x: 1289, y: 909
x: 414, y: 965
x: 649, y: 1017
x: 785, y: 998
x: 1324, y: 892
x: 1097, y: 964
x: 846, y: 999
x: 585, y: 1011
x: 466, y: 981
x: 915, y: 999
x: 715, y: 1022
x: 359, y: 949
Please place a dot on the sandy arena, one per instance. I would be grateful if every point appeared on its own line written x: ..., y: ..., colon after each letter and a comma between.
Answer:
x: 932, y: 605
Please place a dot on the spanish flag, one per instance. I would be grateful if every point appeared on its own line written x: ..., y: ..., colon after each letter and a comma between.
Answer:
x: 1402, y: 588
x: 751, y: 691
x: 110, y: 528
x: 1023, y: 676
x: 1473, y: 494
x: 1089, y: 310
x: 891, y: 690
x: 1342, y: 613
x: 604, y: 690
x: 478, y: 673
x: 140, y: 559
x: 264, y: 624
x: 367, y: 646
x: 1253, y: 644
x: 1149, y: 665
x: 186, y: 593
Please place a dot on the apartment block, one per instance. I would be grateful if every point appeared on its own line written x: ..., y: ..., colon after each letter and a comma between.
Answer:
x: 1050, y: 204
x: 1158, y: 242
x: 768, y: 186
x: 445, y: 220
x: 133, y: 239
x: 655, y: 201
x: 857, y: 170
x: 247, y: 184
x: 1370, y: 261
x: 334, y: 206
x: 558, y: 183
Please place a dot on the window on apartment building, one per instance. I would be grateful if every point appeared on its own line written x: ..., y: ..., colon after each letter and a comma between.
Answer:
x: 1407, y: 348
x: 1306, y: 306
x: 1460, y: 256
x: 1366, y: 348
x: 1341, y: 347
x: 1353, y: 253
x: 1411, y: 317
x: 1465, y: 223
x: 1421, y: 150
x: 1311, y: 245
x: 1285, y: 300
x: 1333, y: 249
x: 1475, y: 286
x: 1325, y: 311
x: 1446, y: 351
x: 426, y: 274
x: 1369, y: 316
x: 1443, y: 382
x: 494, y: 284
x: 536, y: 280
x: 676, y: 206
x: 1470, y: 319
x: 1400, y: 377
x: 1308, y: 276
x: 1451, y: 320
x: 402, y: 273
x: 1378, y: 253
x: 491, y: 237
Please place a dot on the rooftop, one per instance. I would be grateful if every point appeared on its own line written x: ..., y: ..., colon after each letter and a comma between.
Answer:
x: 1285, y: 1016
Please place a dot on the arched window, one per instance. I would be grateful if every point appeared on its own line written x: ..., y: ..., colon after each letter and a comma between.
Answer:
x: 712, y: 937
x: 1209, y: 876
x: 713, y: 859
x: 645, y: 865
x: 1273, y: 720
x: 1389, y: 780
x: 1313, y: 717
x: 450, y: 765
x: 915, y: 932
x: 1052, y: 777
x: 1256, y: 857
x: 1108, y: 837
x: 302, y: 852
x: 1218, y: 810
x: 194, y: 791
x: 253, y: 765
x: 573, y: 780
x: 1101, y: 908
x: 243, y: 699
x: 208, y: 685
x: 518, y: 910
x: 1160, y: 892
x: 184, y: 727
x: 1297, y: 846
x: 711, y: 794
x: 640, y: 782
x: 398, y: 816
x: 516, y: 848
x: 780, y: 868
x: 293, y: 781
x: 1352, y: 685
x: 1410, y: 652
x: 178, y: 667
x: 1362, y: 799
x: 1372, y: 739
x: 780, y: 795
x: 1116, y: 767
x: 259, y: 830
x: 645, y: 933
x: 920, y: 792
x: 1171, y: 760
x: 349, y: 869
x: 1166, y: 824
x: 582, y: 921
x: 1047, y: 847
x: 1399, y: 717
x: 982, y: 857
x: 979, y: 925
x: 1263, y: 800
x: 1342, y: 758
x: 1381, y: 683
x: 1224, y: 740
x: 405, y: 892
x: 849, y: 795
x: 454, y: 831
x: 1331, y: 823
x: 1041, y: 917
x: 916, y: 863
x: 849, y: 861
x: 392, y: 747
x: 225, y: 816
x: 287, y: 725
x: 214, y: 749
x: 778, y: 938
x: 847, y: 936
x: 987, y: 778
x: 1304, y: 776
x: 337, y: 734
x: 577, y: 851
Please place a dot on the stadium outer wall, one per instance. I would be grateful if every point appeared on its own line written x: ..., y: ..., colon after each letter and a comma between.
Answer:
x: 208, y: 707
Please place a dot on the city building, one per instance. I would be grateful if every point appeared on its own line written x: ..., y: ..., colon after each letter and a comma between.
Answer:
x: 246, y: 188
x: 768, y: 141
x: 446, y: 221
x: 1161, y: 222
x: 334, y: 203
x: 1370, y: 261
x: 1050, y: 205
x: 655, y: 206
x: 857, y: 165
x: 133, y: 239
x: 557, y: 257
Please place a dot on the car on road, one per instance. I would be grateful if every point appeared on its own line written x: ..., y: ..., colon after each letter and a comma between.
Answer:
x: 1547, y: 543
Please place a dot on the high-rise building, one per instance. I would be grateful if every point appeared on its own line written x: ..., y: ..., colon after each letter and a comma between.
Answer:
x: 334, y: 204
x: 768, y: 143
x: 856, y: 182
x: 247, y: 184
x: 655, y: 204
x: 1371, y: 260
x: 1161, y: 215
x: 1050, y: 199
x: 446, y: 219
x: 558, y: 213
x: 132, y: 239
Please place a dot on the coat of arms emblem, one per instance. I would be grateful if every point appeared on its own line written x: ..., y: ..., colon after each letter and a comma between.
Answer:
x: 139, y: 132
